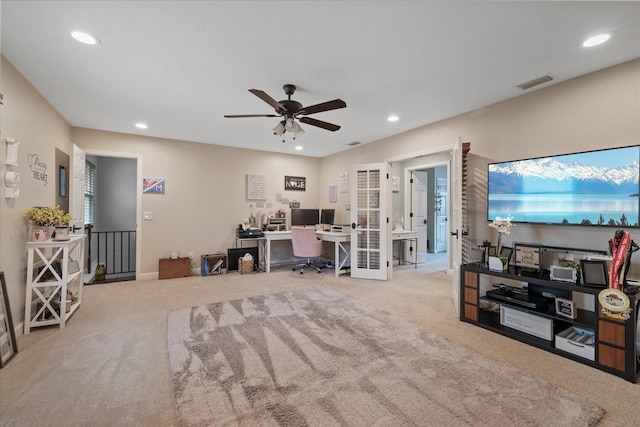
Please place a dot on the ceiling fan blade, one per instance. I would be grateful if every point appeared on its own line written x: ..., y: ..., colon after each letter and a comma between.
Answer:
x: 235, y: 116
x: 325, y: 106
x: 319, y: 123
x: 269, y: 100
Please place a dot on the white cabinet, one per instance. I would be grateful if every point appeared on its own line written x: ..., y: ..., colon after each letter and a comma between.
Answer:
x: 54, y: 281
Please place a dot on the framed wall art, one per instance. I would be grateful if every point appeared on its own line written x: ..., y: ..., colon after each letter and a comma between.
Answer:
x: 295, y: 183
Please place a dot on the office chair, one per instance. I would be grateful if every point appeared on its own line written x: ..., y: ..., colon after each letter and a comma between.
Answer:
x: 306, y: 245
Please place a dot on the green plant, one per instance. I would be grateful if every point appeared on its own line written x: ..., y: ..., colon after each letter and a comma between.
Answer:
x: 47, y: 216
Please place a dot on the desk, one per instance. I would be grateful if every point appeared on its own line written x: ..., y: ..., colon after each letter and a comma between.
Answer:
x: 337, y: 238
x: 403, y: 236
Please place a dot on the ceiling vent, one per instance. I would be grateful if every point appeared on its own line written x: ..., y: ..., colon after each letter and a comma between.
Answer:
x: 535, y: 82
x: 354, y: 143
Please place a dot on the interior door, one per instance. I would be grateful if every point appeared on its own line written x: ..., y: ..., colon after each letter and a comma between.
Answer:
x: 441, y: 215
x: 370, y: 226
x: 455, y: 235
x: 419, y: 223
x: 76, y: 195
x: 76, y: 201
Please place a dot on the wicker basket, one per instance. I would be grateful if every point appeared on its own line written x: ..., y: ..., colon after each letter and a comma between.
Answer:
x: 245, y: 266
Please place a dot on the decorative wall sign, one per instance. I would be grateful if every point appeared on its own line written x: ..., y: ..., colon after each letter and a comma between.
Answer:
x: 256, y: 187
x: 12, y: 152
x: 395, y: 183
x: 38, y: 168
x: 153, y: 185
x: 333, y: 194
x: 295, y: 183
x: 344, y: 182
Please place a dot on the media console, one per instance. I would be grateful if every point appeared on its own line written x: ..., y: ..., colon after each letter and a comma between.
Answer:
x: 514, y: 306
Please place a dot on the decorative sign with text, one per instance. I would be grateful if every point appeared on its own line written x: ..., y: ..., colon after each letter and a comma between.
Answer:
x: 527, y: 256
x: 38, y: 168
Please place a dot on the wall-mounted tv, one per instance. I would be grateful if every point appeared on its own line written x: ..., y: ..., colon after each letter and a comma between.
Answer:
x: 597, y: 188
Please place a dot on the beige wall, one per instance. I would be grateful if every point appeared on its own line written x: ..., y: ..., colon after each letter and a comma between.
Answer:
x: 206, y: 185
x: 206, y: 190
x: 31, y: 120
x: 599, y: 110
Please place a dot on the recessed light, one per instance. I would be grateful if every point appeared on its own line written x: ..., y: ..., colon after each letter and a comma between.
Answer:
x: 299, y: 147
x: 84, y: 37
x: 141, y: 125
x: 596, y: 40
x: 393, y: 118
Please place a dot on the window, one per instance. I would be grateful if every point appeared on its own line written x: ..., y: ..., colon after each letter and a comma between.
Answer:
x: 89, y: 192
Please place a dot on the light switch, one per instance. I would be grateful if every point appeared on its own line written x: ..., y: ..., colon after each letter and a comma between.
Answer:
x: 147, y: 216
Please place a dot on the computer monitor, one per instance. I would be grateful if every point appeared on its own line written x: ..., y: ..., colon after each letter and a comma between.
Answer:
x: 327, y: 216
x: 301, y: 217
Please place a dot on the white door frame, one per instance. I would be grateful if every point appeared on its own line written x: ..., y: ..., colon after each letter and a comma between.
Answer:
x: 138, y: 158
x: 453, y: 151
x: 407, y: 196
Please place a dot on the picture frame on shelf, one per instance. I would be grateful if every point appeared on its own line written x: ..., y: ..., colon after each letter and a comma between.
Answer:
x: 594, y: 273
x: 566, y: 308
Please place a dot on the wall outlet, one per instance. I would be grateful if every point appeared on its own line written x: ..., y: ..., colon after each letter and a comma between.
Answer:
x: 190, y: 254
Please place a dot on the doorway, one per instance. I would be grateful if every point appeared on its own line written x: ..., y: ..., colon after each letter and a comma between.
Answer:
x: 114, y: 243
x: 423, y: 201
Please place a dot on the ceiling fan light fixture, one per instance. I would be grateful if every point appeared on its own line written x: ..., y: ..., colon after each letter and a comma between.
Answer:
x: 279, y: 129
x: 296, y: 129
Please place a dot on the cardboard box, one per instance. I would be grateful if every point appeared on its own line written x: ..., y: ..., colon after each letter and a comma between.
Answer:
x: 581, y: 344
x: 528, y: 323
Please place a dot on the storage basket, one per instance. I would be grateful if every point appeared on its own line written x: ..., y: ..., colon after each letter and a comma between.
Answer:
x: 245, y: 266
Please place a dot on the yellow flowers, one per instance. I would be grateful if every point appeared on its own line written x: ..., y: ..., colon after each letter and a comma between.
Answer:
x: 48, y: 216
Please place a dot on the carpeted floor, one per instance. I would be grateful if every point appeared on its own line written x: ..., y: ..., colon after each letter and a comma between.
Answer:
x: 110, y: 366
x: 318, y: 357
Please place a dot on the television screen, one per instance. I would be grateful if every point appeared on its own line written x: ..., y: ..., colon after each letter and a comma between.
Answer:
x: 590, y: 188
x: 327, y: 216
x: 301, y: 216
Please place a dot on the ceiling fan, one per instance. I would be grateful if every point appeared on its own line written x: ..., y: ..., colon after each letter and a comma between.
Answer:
x: 291, y: 110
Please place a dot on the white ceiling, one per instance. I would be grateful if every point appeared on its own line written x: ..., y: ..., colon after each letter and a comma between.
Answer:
x: 181, y: 66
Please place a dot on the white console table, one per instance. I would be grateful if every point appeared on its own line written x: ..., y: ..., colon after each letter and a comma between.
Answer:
x: 412, y: 238
x: 47, y: 284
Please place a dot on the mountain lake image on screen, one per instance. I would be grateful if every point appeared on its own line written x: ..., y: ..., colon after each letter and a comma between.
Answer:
x: 597, y: 188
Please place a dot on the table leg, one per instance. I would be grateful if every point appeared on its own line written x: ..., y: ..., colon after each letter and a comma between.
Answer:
x: 267, y: 257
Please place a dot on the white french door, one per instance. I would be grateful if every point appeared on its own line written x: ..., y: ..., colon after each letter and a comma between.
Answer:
x: 456, y: 230
x: 370, y: 227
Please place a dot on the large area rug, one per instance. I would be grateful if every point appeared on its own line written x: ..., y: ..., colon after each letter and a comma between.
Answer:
x: 320, y: 358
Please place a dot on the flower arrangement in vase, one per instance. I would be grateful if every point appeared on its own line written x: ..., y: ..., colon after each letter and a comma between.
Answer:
x: 503, y: 226
x: 43, y: 220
